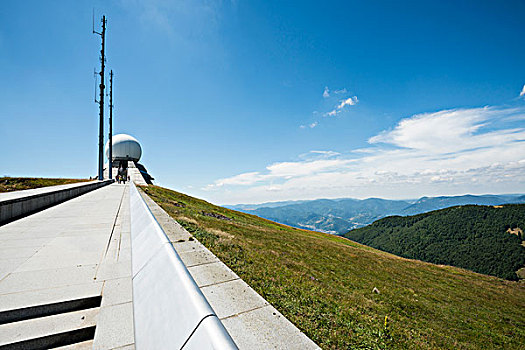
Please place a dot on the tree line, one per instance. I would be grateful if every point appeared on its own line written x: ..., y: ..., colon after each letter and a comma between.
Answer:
x: 473, y: 237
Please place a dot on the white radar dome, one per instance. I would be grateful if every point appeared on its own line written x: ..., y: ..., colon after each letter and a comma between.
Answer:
x: 125, y: 147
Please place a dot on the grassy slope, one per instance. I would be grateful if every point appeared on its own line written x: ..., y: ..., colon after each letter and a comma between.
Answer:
x: 324, y: 284
x: 8, y: 184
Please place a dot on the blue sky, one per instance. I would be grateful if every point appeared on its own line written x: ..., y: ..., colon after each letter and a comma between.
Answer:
x: 254, y: 101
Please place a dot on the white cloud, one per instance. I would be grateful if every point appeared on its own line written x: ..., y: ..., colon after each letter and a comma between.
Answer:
x: 522, y: 93
x: 289, y: 170
x: 241, y: 179
x: 326, y: 92
x: 326, y: 153
x: 443, y: 153
x: 449, y: 131
x: 351, y: 101
x: 311, y: 125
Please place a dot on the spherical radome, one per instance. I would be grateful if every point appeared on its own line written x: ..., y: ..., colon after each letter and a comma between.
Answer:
x: 125, y: 147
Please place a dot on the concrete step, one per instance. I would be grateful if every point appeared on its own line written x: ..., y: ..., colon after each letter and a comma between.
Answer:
x: 44, y: 310
x: 85, y: 345
x: 83, y: 253
x: 50, y: 331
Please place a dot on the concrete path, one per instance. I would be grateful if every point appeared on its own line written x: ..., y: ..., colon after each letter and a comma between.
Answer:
x: 65, y: 280
x: 67, y: 269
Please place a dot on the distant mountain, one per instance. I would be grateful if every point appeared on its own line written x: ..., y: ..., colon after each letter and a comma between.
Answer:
x: 242, y: 207
x: 484, y: 239
x: 338, y: 216
x: 330, y: 215
x: 426, y: 204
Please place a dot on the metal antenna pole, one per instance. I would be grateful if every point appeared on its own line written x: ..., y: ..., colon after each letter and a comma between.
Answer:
x: 110, y: 160
x: 101, y: 102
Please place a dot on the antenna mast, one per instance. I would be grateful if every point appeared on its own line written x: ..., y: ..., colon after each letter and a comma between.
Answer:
x: 101, y: 102
x: 110, y: 160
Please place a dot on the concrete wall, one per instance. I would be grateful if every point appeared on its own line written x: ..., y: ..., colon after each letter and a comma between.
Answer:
x: 169, y: 310
x: 250, y: 320
x: 15, y: 208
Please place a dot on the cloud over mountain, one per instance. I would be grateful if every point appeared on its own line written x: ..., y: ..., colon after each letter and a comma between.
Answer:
x: 476, y: 150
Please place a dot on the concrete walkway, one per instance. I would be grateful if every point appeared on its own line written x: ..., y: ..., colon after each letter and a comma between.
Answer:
x: 66, y: 280
x: 55, y: 265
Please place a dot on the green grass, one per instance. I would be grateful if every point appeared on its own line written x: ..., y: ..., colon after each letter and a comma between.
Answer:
x: 323, y: 284
x: 8, y: 184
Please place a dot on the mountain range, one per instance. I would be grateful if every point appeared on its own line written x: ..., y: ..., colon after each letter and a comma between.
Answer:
x: 338, y: 216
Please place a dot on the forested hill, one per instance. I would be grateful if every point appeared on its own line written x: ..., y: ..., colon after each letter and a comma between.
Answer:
x: 484, y: 239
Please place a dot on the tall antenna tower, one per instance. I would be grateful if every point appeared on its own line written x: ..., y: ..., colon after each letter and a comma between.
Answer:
x: 101, y: 102
x: 110, y: 164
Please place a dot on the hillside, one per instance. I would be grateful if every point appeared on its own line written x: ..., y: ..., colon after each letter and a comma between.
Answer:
x: 471, y: 237
x: 8, y: 184
x: 341, y: 215
x: 324, y: 285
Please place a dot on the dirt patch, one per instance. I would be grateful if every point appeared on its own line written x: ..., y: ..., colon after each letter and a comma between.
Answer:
x: 216, y: 216
x: 187, y: 219
x: 220, y: 233
x: 516, y: 231
x: 177, y: 204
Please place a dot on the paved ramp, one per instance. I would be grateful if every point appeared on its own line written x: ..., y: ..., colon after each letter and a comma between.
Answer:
x: 67, y: 269
x: 66, y: 281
